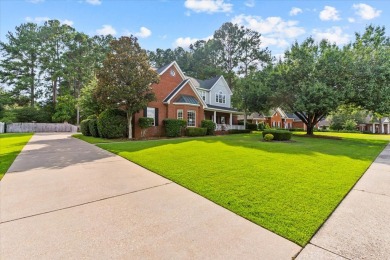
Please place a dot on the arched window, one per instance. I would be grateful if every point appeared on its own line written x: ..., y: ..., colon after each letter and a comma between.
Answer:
x: 220, y: 97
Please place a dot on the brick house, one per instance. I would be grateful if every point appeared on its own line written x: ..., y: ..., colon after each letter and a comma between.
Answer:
x: 275, y: 118
x: 182, y: 97
x: 373, y: 125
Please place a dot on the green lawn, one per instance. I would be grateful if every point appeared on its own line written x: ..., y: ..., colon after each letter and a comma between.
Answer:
x: 10, y: 147
x: 97, y: 140
x: 289, y: 188
x: 359, y: 136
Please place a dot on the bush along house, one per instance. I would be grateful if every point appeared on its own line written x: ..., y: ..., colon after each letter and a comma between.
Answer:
x: 190, y: 99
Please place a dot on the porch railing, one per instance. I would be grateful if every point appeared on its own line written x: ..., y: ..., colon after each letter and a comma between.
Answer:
x: 225, y: 127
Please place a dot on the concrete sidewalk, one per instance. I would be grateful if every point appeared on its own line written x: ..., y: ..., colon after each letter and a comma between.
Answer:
x: 64, y: 198
x: 359, y: 228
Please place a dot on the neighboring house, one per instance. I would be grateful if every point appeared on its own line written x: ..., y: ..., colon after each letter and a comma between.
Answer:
x: 182, y: 97
x: 275, y: 118
x: 374, y: 126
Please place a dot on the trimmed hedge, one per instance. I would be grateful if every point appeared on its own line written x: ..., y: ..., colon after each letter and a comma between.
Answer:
x: 93, y: 127
x: 84, y: 127
x: 196, y: 131
x: 250, y: 126
x: 296, y: 130
x: 279, y: 135
x: 239, y: 131
x: 112, y: 123
x: 268, y: 137
x: 210, y: 125
x: 173, y: 127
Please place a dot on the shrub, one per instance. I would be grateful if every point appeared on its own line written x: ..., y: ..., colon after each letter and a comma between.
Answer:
x: 239, y: 131
x: 279, y: 135
x: 210, y: 125
x: 261, y: 126
x: 112, y: 123
x: 250, y: 126
x: 349, y: 125
x: 84, y: 127
x: 144, y: 123
x: 296, y: 130
x: 173, y: 127
x: 93, y: 128
x: 30, y: 114
x: 268, y: 137
x: 196, y: 131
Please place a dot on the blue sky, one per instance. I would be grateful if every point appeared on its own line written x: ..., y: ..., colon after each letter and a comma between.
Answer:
x: 171, y: 23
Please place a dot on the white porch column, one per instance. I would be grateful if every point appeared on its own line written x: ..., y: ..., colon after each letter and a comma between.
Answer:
x: 373, y: 128
x: 383, y: 129
x: 231, y: 120
x: 215, y: 116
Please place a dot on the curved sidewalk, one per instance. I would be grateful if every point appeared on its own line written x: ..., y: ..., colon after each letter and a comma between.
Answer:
x: 359, y: 228
x: 64, y: 198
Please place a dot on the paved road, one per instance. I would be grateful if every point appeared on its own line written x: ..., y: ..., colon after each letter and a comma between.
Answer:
x: 359, y: 228
x: 64, y: 198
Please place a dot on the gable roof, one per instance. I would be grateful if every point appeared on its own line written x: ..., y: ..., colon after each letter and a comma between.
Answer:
x: 163, y: 69
x: 175, y: 90
x: 205, y: 84
x: 187, y: 100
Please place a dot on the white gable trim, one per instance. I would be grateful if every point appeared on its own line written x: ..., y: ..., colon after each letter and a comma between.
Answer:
x: 226, y: 84
x: 193, y: 89
x: 174, y: 63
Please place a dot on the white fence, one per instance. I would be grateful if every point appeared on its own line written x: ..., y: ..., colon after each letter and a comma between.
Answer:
x: 225, y: 127
x: 2, y: 127
x: 40, y: 127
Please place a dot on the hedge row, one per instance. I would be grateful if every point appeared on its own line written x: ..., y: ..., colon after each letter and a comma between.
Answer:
x: 209, y: 125
x: 173, y: 127
x: 196, y: 131
x: 279, y: 135
x: 239, y: 131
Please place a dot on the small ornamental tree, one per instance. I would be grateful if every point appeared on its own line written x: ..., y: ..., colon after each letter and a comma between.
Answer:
x: 65, y: 109
x: 124, y: 81
x: 144, y: 123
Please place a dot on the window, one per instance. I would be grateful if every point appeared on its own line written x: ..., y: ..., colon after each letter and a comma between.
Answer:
x: 220, y: 97
x: 151, y: 113
x: 191, y: 118
x: 222, y: 120
x: 180, y: 114
x: 202, y: 94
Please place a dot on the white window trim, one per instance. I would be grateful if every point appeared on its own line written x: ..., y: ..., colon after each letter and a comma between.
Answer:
x: 188, y: 111
x: 220, y: 95
x: 154, y: 116
x: 177, y: 114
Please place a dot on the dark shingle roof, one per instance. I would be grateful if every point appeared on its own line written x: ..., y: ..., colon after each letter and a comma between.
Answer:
x: 175, y: 90
x: 207, y: 83
x: 187, y: 99
x: 223, y: 108
x: 162, y: 68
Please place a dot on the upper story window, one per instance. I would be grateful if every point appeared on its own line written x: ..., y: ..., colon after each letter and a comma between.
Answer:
x: 202, y: 94
x: 172, y: 72
x: 220, y: 97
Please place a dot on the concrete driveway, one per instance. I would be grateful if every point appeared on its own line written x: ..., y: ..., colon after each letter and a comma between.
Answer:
x: 64, y: 198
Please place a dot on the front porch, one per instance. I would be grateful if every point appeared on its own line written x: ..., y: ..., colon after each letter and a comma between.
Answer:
x: 224, y: 120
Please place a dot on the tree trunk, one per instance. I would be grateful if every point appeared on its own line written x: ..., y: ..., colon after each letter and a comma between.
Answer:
x: 78, y: 115
x: 129, y: 119
x: 245, y: 115
x: 380, y: 126
x: 32, y: 87
x: 309, y: 129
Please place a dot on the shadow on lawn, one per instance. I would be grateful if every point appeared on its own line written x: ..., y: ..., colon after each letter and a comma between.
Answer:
x: 352, y: 148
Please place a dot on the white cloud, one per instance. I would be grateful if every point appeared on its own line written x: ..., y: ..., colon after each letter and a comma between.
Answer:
x: 106, y: 30
x: 185, y: 42
x: 42, y: 19
x: 94, y: 2
x: 351, y: 19
x: 250, y: 3
x: 35, y: 1
x: 329, y: 13
x: 274, y: 30
x: 38, y: 20
x: 208, y: 6
x: 143, y: 32
x: 366, y: 12
x: 334, y: 35
x: 295, y: 11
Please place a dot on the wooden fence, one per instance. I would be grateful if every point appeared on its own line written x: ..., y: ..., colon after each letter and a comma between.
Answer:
x: 40, y: 127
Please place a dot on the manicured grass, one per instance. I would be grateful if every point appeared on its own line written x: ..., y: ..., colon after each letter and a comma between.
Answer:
x: 10, y: 147
x: 97, y: 140
x: 359, y: 136
x: 289, y: 188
